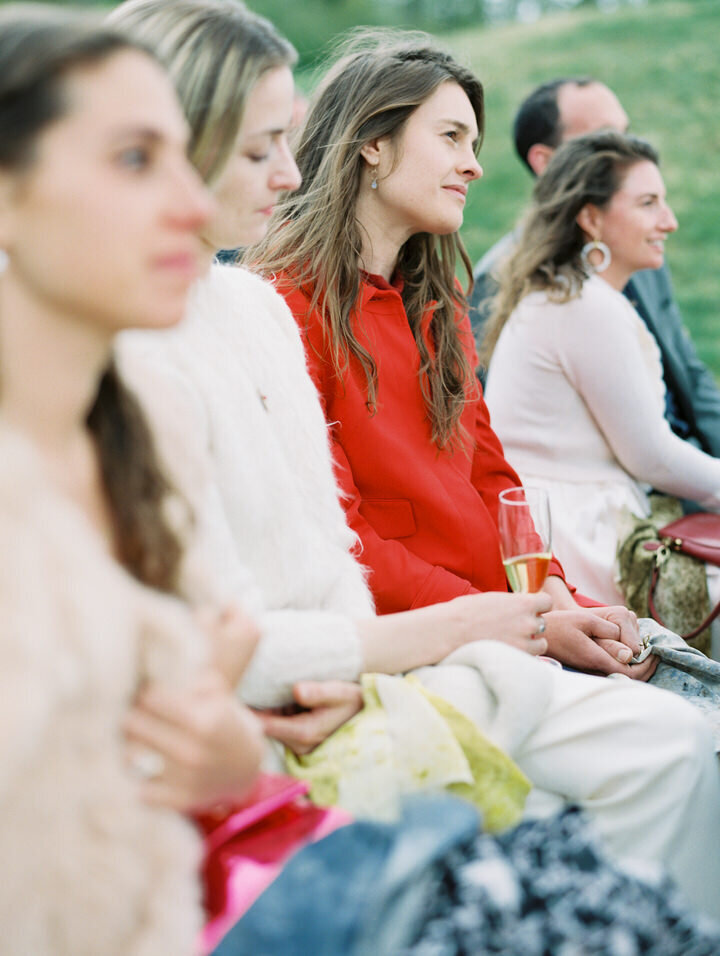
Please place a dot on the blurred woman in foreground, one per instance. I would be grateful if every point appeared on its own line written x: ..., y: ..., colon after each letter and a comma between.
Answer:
x: 99, y: 214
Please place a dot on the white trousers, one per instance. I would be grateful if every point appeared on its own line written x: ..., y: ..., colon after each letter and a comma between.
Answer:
x: 639, y: 760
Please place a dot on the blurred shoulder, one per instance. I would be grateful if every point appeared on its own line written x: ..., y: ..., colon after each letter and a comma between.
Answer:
x: 22, y: 478
x: 594, y: 297
x: 234, y: 280
x: 250, y: 296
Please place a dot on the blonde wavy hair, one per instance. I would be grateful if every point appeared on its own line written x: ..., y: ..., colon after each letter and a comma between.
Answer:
x: 215, y: 51
x: 378, y: 80
x: 586, y: 169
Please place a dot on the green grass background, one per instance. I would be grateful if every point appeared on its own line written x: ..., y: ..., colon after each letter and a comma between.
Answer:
x: 661, y: 57
x: 662, y: 60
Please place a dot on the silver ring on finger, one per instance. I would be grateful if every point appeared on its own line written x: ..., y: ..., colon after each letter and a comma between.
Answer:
x: 540, y: 629
x: 148, y: 764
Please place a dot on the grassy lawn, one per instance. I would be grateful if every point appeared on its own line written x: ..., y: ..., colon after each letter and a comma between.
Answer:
x: 661, y: 59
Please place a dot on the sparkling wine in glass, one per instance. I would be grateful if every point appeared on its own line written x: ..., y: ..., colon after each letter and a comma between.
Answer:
x: 524, y: 524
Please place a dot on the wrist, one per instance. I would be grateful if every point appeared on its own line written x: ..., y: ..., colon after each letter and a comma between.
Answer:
x: 459, y: 622
x: 558, y: 590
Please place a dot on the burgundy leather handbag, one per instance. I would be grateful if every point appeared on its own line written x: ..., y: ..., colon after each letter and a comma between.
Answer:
x: 697, y: 535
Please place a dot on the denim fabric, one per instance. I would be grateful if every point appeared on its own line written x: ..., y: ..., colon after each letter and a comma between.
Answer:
x: 362, y: 890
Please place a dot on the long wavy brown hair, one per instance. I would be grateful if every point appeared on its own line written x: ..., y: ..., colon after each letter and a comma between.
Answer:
x: 586, y: 170
x: 379, y: 79
x: 39, y: 48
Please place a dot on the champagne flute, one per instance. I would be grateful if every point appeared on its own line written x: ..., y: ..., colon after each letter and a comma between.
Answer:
x: 524, y: 524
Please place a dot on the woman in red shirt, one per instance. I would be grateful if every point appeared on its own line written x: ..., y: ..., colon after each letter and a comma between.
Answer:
x: 365, y: 253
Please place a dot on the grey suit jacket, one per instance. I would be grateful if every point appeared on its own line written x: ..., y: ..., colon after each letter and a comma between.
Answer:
x: 693, y: 405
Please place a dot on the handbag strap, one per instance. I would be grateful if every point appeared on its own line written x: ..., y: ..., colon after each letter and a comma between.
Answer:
x: 654, y: 611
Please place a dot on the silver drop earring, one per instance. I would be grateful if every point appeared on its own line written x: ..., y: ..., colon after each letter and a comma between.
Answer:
x: 4, y: 261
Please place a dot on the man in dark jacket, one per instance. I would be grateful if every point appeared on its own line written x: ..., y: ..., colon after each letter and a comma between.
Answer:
x: 550, y: 115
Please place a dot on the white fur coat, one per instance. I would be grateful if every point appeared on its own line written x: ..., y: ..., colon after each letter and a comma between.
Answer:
x: 229, y: 387
x: 86, y: 868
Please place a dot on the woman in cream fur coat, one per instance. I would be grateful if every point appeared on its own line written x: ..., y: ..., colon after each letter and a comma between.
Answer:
x: 111, y: 716
x: 79, y: 635
x: 229, y: 389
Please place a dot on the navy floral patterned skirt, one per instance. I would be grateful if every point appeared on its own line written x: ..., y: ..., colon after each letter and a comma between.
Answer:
x: 431, y: 884
x: 545, y: 889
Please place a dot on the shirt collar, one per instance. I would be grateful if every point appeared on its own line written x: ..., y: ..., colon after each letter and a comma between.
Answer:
x: 376, y: 286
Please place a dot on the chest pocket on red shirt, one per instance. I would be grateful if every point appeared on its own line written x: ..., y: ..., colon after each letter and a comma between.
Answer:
x: 389, y: 517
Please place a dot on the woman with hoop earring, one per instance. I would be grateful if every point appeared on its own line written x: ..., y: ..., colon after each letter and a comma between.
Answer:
x: 575, y: 384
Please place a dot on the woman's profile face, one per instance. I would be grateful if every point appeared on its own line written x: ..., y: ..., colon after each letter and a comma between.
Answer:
x: 103, y: 225
x: 423, y: 177
x: 260, y: 167
x: 637, y: 220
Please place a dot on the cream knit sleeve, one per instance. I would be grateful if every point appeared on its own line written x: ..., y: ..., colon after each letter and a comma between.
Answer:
x: 611, y: 360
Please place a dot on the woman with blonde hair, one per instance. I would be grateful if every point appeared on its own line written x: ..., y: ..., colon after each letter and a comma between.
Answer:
x: 232, y: 380
x: 575, y: 382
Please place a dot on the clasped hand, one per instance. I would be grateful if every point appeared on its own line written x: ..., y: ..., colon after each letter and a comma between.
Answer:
x: 598, y: 640
x: 208, y: 746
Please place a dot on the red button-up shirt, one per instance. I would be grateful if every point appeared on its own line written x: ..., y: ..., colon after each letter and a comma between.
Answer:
x: 426, y: 517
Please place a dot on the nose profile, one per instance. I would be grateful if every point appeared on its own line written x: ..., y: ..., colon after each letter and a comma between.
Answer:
x: 670, y: 223
x: 286, y: 175
x: 192, y: 204
x: 468, y: 165
x: 474, y: 170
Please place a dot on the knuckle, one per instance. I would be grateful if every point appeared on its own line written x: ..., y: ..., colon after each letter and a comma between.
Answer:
x: 194, y: 760
x: 205, y: 723
x: 305, y: 739
x: 307, y: 695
